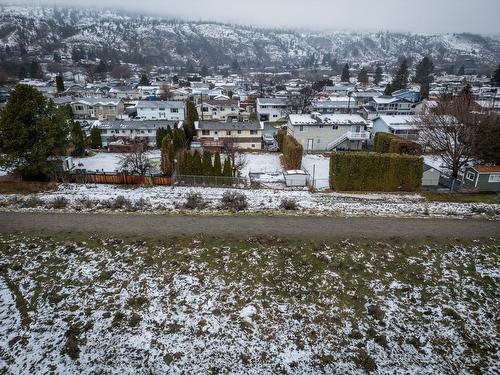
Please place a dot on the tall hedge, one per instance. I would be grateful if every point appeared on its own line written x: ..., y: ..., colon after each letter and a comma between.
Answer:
x: 390, y: 143
x: 280, y: 136
x: 292, y: 153
x: 362, y: 171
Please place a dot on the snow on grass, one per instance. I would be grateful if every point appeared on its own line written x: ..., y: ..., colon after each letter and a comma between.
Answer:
x: 106, y: 161
x: 96, y: 197
x: 256, y: 306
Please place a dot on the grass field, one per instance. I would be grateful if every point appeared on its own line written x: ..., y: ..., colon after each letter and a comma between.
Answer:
x: 72, y: 304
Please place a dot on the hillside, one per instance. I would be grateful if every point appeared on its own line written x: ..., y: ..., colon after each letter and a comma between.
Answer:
x: 141, y: 39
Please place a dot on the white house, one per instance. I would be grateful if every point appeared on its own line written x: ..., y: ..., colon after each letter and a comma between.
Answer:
x: 146, y: 91
x: 244, y: 135
x: 272, y: 109
x: 318, y: 132
x: 219, y: 110
x: 160, y: 110
x: 390, y: 105
x: 402, y: 126
x: 335, y: 104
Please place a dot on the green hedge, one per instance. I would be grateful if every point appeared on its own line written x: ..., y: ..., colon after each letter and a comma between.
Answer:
x: 390, y: 143
x: 362, y: 171
x: 292, y: 153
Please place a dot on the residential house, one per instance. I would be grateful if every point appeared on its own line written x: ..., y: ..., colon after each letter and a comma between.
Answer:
x: 402, y: 126
x: 334, y: 104
x: 219, y: 110
x: 410, y: 95
x: 318, y: 132
x: 362, y: 98
x: 482, y: 178
x: 272, y: 109
x: 387, y: 105
x: 97, y: 108
x: 160, y: 110
x: 146, y: 92
x: 215, y: 134
x: 131, y: 130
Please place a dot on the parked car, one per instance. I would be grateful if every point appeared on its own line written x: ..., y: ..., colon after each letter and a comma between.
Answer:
x: 268, y: 139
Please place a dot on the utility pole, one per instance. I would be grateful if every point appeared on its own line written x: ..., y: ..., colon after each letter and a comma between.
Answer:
x: 201, y: 105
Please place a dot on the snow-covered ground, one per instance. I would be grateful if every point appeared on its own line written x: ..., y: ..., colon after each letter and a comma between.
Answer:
x: 94, y: 197
x: 106, y: 161
x: 317, y: 166
x: 255, y: 306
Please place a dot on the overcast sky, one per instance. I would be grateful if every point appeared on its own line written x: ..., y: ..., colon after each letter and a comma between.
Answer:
x: 479, y: 16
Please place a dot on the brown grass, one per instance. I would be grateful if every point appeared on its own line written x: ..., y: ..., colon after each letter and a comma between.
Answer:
x: 25, y: 187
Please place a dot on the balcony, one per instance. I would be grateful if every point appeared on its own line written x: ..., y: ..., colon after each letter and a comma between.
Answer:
x: 358, y: 136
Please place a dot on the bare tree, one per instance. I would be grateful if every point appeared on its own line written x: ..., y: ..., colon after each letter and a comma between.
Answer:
x: 238, y: 160
x: 165, y: 93
x: 449, y: 129
x: 121, y: 71
x: 136, y: 162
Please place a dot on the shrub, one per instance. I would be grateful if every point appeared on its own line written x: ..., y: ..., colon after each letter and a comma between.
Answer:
x: 120, y: 202
x: 280, y: 136
x: 363, y: 171
x: 232, y: 200
x: 292, y: 153
x: 31, y: 202
x: 289, y: 204
x: 194, y: 201
x: 59, y: 202
x: 86, y: 203
x: 141, y: 204
x: 390, y: 143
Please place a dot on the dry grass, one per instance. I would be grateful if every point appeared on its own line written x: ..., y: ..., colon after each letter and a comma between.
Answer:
x: 25, y: 187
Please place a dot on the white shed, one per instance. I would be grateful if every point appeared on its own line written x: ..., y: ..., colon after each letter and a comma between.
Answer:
x: 430, y: 176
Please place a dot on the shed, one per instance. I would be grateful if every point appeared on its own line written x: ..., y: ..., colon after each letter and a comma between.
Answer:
x: 295, y: 177
x: 482, y: 178
x: 430, y: 176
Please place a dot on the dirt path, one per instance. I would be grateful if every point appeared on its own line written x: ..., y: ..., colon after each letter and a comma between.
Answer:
x: 243, y: 226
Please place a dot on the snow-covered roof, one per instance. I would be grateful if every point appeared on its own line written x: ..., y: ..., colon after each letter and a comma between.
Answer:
x: 385, y: 99
x: 134, y: 124
x: 327, y: 119
x: 98, y: 101
x: 154, y: 104
x: 272, y: 101
x: 217, y: 125
x: 401, y: 122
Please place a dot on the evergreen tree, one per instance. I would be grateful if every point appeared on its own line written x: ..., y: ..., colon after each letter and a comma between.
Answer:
x: 190, y: 118
x: 144, y: 80
x: 160, y: 134
x: 495, y: 80
x: 345, y: 77
x: 179, y: 139
x: 35, y: 70
x: 228, y: 170
x: 101, y: 69
x: 188, y: 163
x: 197, y: 167
x: 170, y: 132
x: 78, y: 139
x: 378, y: 75
x: 167, y: 156
x: 204, y: 71
x: 363, y: 76
x: 388, y: 89
x: 95, y: 138
x: 400, y: 80
x: 32, y: 132
x: 217, y: 165
x: 424, y: 75
x: 486, y: 141
x: 461, y: 71
x: 207, y: 166
x: 60, y: 83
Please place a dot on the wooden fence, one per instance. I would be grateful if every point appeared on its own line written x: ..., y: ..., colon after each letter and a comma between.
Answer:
x: 118, y: 179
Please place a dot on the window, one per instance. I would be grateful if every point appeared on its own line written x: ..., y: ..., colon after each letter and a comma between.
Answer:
x: 174, y: 110
x: 228, y: 132
x: 104, y: 131
x: 216, y: 132
x: 335, y: 127
x: 275, y: 116
x: 494, y: 178
x: 253, y: 145
x: 321, y: 126
x: 149, y: 131
x: 205, y: 132
x: 239, y: 131
x: 301, y: 128
x: 162, y: 109
x: 253, y: 132
x: 471, y: 176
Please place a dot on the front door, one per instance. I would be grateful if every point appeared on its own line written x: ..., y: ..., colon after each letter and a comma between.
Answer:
x: 310, y: 144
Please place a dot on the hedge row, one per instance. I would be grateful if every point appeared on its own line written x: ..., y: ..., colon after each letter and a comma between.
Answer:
x: 292, y: 153
x: 362, y: 171
x: 390, y: 143
x: 280, y: 136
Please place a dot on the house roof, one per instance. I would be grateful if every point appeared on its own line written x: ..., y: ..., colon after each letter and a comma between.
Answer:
x: 330, y: 119
x: 487, y: 169
x: 98, y: 101
x: 272, y: 101
x: 216, y: 125
x: 401, y: 122
x: 134, y: 124
x: 224, y: 103
x: 153, y: 104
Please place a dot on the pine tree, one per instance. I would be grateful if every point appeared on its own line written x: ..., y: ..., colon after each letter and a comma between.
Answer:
x: 204, y: 71
x: 77, y: 139
x: 197, y: 167
x: 378, y: 75
x: 60, y: 83
x: 423, y: 75
x: 228, y: 170
x: 345, y: 77
x: 160, y: 134
x: 32, y: 132
x: 495, y: 80
x: 95, y: 138
x: 461, y: 71
x: 207, y: 166
x: 170, y: 132
x: 179, y: 139
x: 363, y: 76
x: 167, y: 156
x: 190, y: 118
x: 217, y: 165
x: 388, y: 89
x: 400, y: 80
x: 144, y: 80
